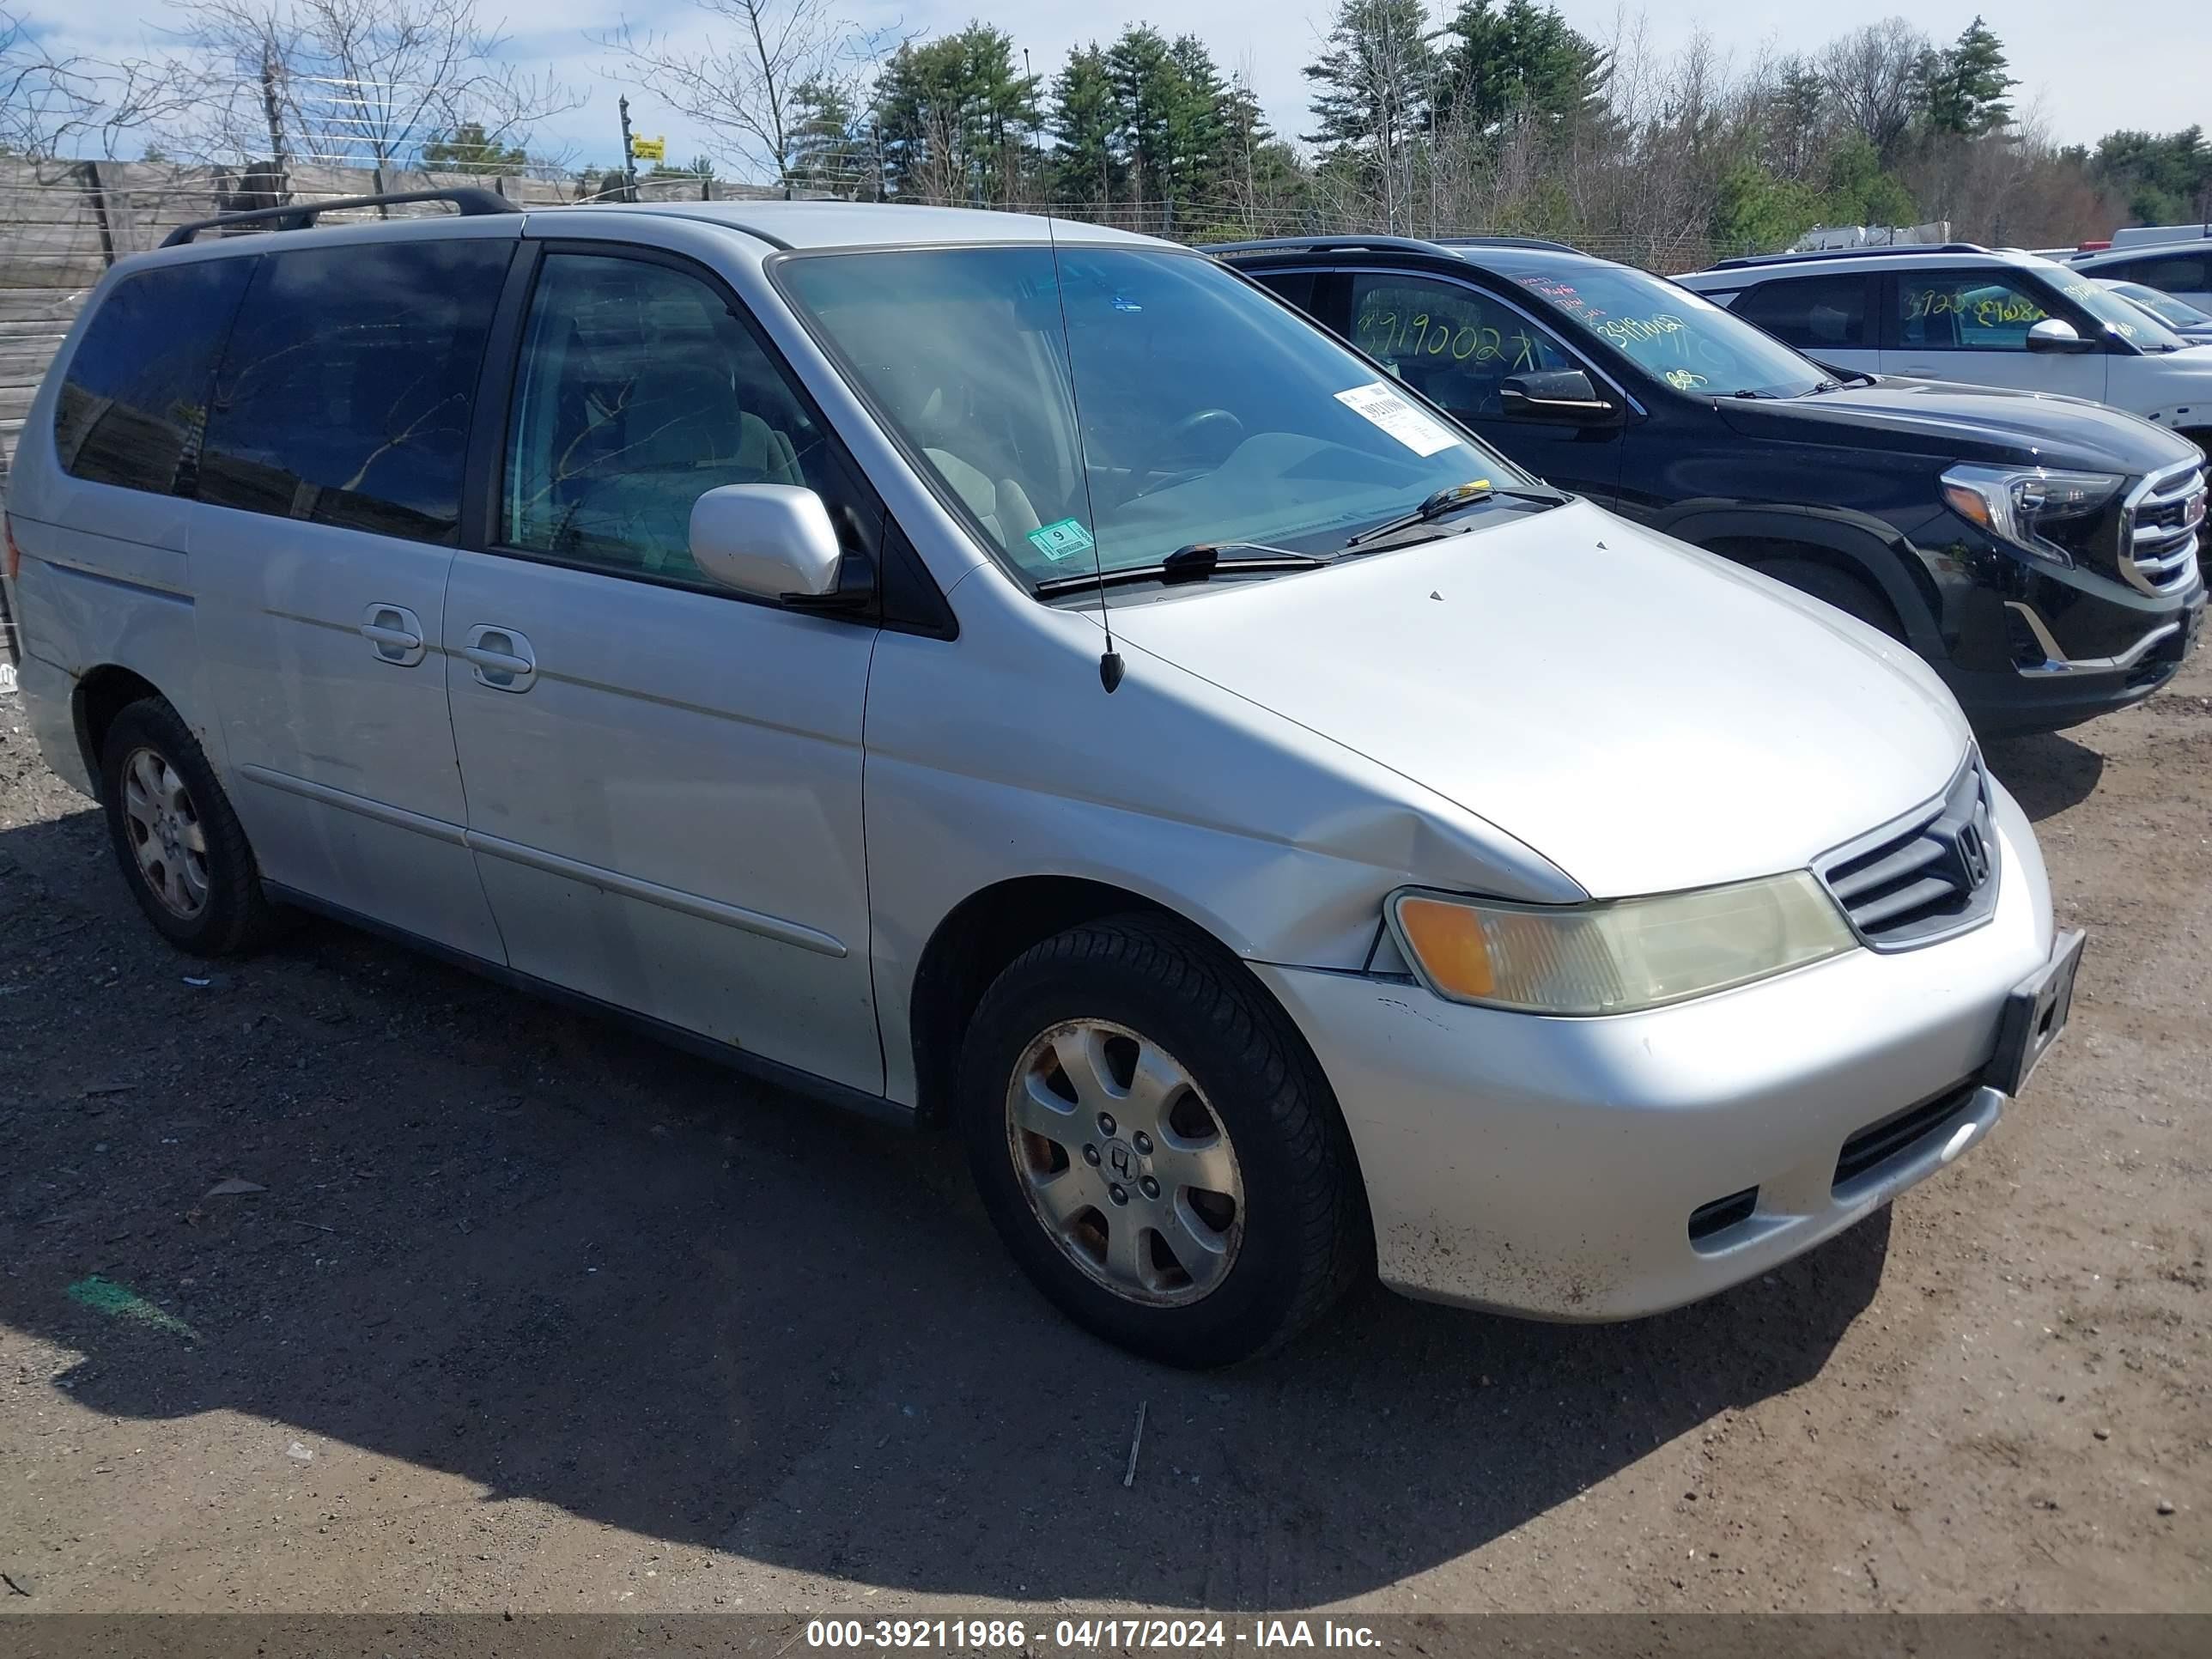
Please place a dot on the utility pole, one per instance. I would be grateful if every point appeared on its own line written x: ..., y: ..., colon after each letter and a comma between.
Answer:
x: 280, y: 186
x: 629, y: 161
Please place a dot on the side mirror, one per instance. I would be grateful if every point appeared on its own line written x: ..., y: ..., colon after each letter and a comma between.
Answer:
x: 1565, y: 395
x: 2056, y: 334
x: 768, y: 540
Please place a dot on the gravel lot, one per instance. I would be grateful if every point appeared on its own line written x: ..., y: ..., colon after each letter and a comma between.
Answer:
x: 526, y: 1314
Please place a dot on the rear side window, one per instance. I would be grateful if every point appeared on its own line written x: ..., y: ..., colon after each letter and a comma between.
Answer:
x: 137, y: 389
x: 1811, y: 312
x: 2182, y: 274
x: 344, y: 395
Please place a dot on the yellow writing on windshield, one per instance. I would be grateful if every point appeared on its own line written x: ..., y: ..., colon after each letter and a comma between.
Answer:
x: 1626, y: 331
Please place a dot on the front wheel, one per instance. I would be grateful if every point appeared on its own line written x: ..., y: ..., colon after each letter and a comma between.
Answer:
x: 1156, y: 1147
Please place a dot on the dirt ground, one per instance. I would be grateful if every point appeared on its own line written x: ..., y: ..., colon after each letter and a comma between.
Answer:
x: 526, y: 1314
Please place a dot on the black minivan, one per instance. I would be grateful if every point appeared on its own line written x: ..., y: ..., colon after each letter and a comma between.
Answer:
x: 2038, y: 552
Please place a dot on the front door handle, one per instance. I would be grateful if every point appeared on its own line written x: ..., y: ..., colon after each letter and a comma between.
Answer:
x: 395, y: 632
x: 502, y: 658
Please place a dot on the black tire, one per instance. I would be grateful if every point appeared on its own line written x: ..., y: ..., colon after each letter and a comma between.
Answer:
x: 1304, y: 1233
x: 1846, y: 593
x: 234, y: 916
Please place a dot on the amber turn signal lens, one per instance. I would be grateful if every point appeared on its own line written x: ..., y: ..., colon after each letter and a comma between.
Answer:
x: 1448, y: 939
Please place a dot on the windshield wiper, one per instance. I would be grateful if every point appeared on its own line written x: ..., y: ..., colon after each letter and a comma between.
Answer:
x: 1451, y: 500
x: 1193, y: 563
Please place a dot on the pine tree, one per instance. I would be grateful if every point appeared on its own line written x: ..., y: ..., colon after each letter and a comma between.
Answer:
x: 1967, y: 84
x: 1371, y: 82
x: 1516, y: 58
x: 957, y: 117
x: 1086, y: 163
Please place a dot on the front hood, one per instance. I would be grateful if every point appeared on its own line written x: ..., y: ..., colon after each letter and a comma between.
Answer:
x: 1647, y: 716
x: 1961, y: 423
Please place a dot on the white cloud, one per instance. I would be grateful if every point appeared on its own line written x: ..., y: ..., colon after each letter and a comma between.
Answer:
x: 2083, y: 78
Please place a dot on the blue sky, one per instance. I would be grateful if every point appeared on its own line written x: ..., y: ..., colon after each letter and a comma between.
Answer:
x: 2080, y: 77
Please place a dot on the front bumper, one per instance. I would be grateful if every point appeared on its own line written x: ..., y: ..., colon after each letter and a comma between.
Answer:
x: 1550, y: 1167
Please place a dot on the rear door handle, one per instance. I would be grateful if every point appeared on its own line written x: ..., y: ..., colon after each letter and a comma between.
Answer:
x: 502, y: 658
x: 395, y: 632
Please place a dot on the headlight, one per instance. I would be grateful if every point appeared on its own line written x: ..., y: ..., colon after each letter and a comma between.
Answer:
x: 1623, y: 954
x: 2019, y: 505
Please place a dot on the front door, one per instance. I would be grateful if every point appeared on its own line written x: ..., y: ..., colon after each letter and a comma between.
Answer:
x: 329, y: 489
x: 1972, y: 326
x: 1457, y: 345
x: 664, y: 778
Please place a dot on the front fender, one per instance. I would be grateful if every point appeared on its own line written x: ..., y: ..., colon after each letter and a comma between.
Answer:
x: 1872, y: 547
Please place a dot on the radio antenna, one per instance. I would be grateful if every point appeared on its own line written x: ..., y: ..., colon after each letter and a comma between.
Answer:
x: 1110, y: 666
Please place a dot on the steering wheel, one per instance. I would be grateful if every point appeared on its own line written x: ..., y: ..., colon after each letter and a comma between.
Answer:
x: 1216, y: 429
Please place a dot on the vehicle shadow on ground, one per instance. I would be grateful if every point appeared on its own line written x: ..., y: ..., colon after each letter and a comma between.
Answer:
x: 2046, y: 773
x: 569, y: 1265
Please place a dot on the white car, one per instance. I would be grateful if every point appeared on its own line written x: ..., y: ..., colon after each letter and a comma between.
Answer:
x: 1967, y: 314
x: 2181, y: 269
x: 1020, y: 676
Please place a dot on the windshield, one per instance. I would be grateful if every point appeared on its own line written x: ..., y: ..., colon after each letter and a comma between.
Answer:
x: 2130, y: 322
x: 2177, y: 313
x: 1678, y: 336
x: 1209, y: 412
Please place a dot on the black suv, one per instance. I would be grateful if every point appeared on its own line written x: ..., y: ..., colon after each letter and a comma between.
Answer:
x: 2039, y: 552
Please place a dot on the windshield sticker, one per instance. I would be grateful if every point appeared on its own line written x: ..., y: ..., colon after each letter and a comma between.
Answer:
x: 1377, y: 402
x: 1061, y: 541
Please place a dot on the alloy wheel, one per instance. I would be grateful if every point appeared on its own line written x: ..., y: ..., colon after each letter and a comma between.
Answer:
x: 165, y: 831
x: 1124, y: 1163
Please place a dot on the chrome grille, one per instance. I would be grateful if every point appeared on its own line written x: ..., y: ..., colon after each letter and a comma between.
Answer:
x: 1924, y: 876
x: 2165, y: 513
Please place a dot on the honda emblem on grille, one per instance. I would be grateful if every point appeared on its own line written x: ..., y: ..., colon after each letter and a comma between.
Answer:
x: 1973, y: 855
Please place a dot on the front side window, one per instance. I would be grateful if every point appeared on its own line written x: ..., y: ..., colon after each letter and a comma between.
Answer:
x: 135, y: 392
x: 1812, y: 314
x: 1453, y: 344
x: 345, y: 393
x: 2107, y: 310
x: 1208, y: 413
x: 638, y: 391
x: 1674, y: 336
x: 1967, y: 311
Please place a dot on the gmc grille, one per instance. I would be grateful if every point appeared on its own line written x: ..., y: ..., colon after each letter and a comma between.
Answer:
x: 1925, y: 876
x: 2158, y: 539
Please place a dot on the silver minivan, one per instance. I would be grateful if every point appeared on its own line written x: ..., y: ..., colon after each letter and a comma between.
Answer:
x: 1020, y: 676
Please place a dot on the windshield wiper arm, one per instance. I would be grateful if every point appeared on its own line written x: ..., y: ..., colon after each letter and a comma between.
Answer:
x: 1193, y: 563
x: 1451, y: 500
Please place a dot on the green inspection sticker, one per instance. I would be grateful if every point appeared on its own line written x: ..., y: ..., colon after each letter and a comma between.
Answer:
x: 1061, y: 541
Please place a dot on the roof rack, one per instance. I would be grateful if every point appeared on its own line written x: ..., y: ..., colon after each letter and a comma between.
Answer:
x: 1320, y: 245
x: 468, y: 201
x: 1741, y: 260
x: 1544, y: 242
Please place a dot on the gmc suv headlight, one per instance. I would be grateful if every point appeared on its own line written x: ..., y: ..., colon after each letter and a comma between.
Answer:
x: 2022, y: 506
x: 1619, y: 954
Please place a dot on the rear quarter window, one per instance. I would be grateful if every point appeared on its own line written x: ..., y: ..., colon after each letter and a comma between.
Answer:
x: 135, y: 393
x: 345, y: 394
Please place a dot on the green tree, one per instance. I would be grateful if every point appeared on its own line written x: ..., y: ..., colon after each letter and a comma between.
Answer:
x: 832, y: 142
x: 1967, y: 84
x: 1518, y: 57
x: 957, y: 118
x: 1861, y: 192
x: 1371, y: 82
x: 465, y: 148
x: 2164, y: 179
x: 1086, y: 124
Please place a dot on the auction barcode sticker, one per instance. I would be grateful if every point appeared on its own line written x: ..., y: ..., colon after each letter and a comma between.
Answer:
x: 1401, y: 420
